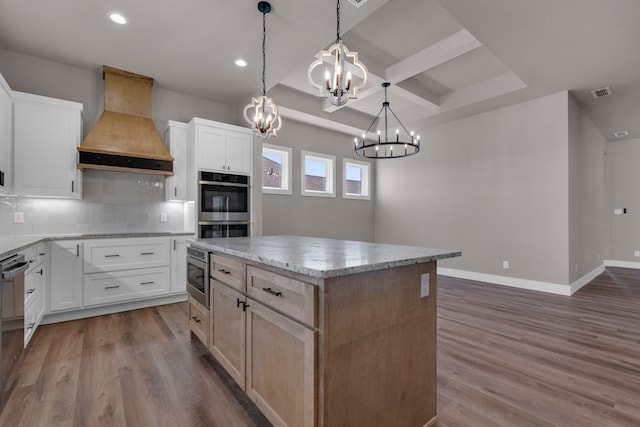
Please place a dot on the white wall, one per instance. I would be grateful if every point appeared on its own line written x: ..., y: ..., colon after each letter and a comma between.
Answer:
x: 494, y: 186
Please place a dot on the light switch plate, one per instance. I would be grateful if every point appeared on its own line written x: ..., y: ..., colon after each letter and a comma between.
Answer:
x: 424, y: 285
x: 18, y: 217
x: 163, y: 217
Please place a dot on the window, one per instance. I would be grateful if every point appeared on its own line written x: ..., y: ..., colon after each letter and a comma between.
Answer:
x: 276, y: 169
x: 318, y: 175
x: 356, y: 180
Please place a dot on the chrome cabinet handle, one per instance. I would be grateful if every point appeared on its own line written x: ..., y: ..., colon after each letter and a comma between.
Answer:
x: 73, y: 190
x: 77, y: 249
x: 112, y: 256
x: 272, y: 292
x: 112, y: 287
x: 175, y: 191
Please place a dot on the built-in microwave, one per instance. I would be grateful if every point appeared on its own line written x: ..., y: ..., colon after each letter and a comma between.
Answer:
x: 198, y: 275
x: 223, y: 197
x: 212, y: 230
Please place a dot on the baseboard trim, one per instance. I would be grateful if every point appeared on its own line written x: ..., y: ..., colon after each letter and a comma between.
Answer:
x: 110, y: 309
x: 575, y: 286
x: 623, y: 264
x: 514, y: 282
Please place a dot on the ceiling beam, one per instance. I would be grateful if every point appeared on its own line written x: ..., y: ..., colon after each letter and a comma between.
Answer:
x: 437, y: 54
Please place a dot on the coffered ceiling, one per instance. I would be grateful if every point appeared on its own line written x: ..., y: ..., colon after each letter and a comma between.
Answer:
x: 446, y: 59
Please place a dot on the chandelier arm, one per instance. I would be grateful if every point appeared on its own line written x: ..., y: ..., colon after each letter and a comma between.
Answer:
x: 373, y: 123
x: 398, y: 120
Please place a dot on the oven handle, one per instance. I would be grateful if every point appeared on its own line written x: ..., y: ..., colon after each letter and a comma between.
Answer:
x: 197, y: 262
x: 17, y: 270
x: 224, y: 184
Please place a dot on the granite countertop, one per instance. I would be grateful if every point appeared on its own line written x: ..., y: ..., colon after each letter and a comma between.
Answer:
x: 322, y: 258
x: 13, y: 244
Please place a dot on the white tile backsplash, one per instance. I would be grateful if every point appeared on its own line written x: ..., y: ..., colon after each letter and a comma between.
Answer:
x: 113, y: 202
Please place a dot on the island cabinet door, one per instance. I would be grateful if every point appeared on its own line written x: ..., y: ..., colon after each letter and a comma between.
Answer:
x: 281, y: 363
x: 227, y: 336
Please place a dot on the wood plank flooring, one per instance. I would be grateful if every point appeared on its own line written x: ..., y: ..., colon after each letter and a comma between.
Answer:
x: 506, y: 357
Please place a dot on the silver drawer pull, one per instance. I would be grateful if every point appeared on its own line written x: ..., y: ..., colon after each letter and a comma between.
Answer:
x: 272, y: 292
x: 195, y: 319
x: 147, y: 253
x: 30, y: 291
x: 147, y: 283
x: 222, y: 270
x: 112, y: 287
x: 112, y: 256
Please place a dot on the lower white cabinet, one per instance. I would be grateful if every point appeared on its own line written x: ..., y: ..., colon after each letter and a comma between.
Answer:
x: 119, y: 286
x: 65, y: 290
x: 179, y: 264
x: 34, y: 299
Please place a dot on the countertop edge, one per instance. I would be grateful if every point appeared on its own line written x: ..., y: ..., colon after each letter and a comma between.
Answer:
x: 23, y: 242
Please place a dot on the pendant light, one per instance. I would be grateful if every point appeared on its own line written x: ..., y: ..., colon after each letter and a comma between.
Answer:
x: 338, y: 85
x: 400, y: 144
x: 262, y: 113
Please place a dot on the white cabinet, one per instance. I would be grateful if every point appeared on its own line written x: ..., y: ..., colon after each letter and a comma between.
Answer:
x: 179, y: 264
x: 66, y: 275
x: 35, y: 280
x: 46, y: 134
x: 175, y: 137
x: 6, y: 135
x: 102, y: 255
x: 219, y: 147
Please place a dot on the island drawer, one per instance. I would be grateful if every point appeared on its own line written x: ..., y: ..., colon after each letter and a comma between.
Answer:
x: 292, y: 297
x: 199, y: 320
x: 228, y: 271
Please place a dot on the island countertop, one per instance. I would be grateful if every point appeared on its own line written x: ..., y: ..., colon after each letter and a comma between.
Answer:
x: 321, y: 258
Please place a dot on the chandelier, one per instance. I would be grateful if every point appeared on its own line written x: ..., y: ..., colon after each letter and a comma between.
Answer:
x: 399, y: 145
x: 262, y: 113
x: 338, y: 85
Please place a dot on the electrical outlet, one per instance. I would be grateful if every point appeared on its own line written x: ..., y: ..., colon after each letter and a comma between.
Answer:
x: 505, y: 265
x: 424, y: 285
x: 18, y: 217
x: 636, y: 253
x: 163, y: 217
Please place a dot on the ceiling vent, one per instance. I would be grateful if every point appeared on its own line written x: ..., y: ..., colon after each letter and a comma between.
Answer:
x: 357, y: 3
x: 601, y: 93
x: 621, y: 134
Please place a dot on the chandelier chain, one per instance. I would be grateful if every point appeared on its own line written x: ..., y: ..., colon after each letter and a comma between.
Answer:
x: 264, y: 49
x: 338, y: 22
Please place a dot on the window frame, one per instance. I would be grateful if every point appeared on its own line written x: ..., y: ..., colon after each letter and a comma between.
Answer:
x: 366, y: 179
x: 331, y: 174
x: 286, y: 171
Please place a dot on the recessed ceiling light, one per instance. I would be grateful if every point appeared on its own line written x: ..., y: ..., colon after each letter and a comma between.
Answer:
x: 118, y: 19
x: 621, y: 134
x: 241, y: 63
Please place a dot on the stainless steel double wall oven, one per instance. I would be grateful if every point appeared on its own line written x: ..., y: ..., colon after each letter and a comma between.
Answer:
x: 223, y: 205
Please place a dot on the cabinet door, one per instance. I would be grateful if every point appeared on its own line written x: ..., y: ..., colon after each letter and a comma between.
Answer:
x: 227, y: 335
x: 45, y: 156
x: 211, y: 149
x: 281, y: 357
x: 239, y: 152
x: 175, y: 137
x: 178, y: 264
x: 6, y: 135
x: 8, y: 308
x: 66, y: 275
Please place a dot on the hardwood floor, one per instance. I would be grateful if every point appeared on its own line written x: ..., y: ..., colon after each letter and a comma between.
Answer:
x: 506, y: 357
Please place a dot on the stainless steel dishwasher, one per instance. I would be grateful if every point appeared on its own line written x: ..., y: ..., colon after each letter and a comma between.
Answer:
x: 11, y: 317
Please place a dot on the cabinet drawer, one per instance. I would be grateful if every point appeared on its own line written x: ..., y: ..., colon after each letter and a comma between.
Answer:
x: 228, y: 271
x: 104, y: 288
x: 289, y: 296
x: 199, y: 320
x: 30, y: 320
x: 30, y: 255
x: 116, y: 254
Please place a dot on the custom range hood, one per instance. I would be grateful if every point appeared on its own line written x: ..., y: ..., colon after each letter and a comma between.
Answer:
x: 124, y: 138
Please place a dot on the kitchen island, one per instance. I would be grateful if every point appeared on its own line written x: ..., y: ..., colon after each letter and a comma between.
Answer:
x: 325, y: 332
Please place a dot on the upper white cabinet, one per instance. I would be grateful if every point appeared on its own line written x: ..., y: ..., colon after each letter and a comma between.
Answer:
x: 175, y: 137
x: 6, y: 135
x: 47, y: 132
x: 220, y: 147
